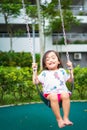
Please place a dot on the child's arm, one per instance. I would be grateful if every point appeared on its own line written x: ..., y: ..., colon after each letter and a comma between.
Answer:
x: 35, y: 76
x: 69, y: 64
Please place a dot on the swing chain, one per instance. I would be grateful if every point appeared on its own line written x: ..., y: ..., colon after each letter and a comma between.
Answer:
x: 64, y: 34
x: 28, y: 32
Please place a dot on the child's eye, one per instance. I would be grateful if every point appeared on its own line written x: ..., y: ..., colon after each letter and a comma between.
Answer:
x: 47, y: 59
x: 53, y: 57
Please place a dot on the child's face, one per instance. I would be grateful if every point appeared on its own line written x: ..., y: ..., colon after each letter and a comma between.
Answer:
x: 51, y: 61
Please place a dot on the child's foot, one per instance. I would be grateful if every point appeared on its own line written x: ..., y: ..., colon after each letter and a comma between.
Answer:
x: 68, y: 122
x: 61, y: 123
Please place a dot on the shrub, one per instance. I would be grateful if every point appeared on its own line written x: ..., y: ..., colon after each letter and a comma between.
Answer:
x: 16, y: 85
x: 81, y: 82
x: 21, y: 59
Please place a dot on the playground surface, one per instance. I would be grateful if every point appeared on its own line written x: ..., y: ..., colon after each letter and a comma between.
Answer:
x: 39, y: 117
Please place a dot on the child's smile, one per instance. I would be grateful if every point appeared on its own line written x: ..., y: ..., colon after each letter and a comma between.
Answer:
x: 52, y: 61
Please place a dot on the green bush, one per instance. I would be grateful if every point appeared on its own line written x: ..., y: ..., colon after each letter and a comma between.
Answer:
x: 61, y: 42
x: 16, y: 85
x: 79, y: 42
x: 81, y: 82
x: 21, y: 59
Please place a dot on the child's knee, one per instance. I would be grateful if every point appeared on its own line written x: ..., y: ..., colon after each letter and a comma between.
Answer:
x: 64, y: 96
x: 53, y: 97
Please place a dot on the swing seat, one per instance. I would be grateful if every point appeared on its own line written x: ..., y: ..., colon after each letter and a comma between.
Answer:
x: 45, y: 100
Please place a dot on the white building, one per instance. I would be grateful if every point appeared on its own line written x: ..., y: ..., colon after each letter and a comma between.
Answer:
x: 78, y: 53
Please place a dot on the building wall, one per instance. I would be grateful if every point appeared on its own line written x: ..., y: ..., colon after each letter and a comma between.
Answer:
x: 26, y: 45
x: 20, y: 44
x: 77, y: 53
x: 82, y: 62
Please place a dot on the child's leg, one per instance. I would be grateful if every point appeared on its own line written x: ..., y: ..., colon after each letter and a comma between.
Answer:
x: 66, y: 107
x: 55, y: 107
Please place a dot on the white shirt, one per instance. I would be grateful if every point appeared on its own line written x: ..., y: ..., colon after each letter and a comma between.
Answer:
x: 54, y: 81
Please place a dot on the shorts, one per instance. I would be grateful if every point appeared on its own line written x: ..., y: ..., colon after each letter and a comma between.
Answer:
x: 58, y: 96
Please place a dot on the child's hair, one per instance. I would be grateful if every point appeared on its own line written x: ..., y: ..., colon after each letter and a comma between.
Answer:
x: 44, y: 59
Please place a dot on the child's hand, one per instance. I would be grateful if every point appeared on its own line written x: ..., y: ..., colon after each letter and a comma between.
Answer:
x: 35, y: 78
x: 69, y: 64
x: 34, y: 66
x: 70, y: 68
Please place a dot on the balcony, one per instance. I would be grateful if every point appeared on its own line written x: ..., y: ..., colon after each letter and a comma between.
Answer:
x: 78, y: 10
x: 23, y: 43
x: 71, y: 36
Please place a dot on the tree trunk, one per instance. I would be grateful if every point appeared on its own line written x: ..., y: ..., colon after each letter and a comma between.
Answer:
x: 9, y: 30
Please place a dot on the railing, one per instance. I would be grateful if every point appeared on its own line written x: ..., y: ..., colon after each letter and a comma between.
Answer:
x: 79, y: 10
x: 21, y: 35
x: 71, y: 36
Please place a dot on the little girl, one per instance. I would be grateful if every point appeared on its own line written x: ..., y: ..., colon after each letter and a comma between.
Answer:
x: 53, y: 79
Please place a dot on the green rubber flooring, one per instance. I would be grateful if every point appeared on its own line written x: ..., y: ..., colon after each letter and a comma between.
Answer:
x: 40, y: 117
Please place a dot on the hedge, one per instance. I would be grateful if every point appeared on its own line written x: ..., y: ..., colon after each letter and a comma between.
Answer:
x: 16, y: 85
x: 22, y: 59
x: 16, y: 79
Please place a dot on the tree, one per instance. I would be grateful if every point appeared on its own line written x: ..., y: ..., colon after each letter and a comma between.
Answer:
x: 10, y: 9
x: 31, y: 12
x: 52, y: 12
